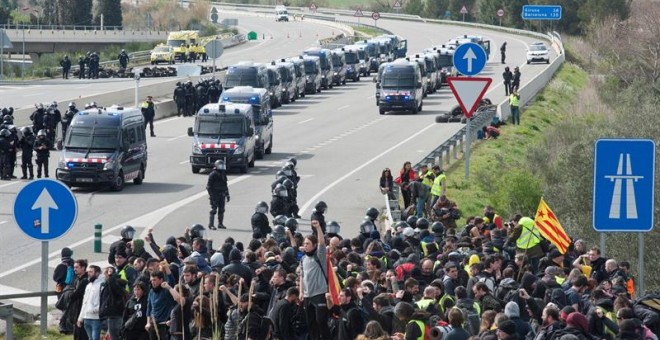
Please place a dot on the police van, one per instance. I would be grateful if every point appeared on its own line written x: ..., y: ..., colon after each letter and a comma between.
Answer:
x: 338, y: 67
x: 313, y: 75
x: 327, y: 68
x: 246, y: 73
x: 299, y: 70
x: 355, y: 57
x: 263, y: 115
x: 223, y: 131
x: 400, y: 87
x: 105, y: 146
x: 288, y: 78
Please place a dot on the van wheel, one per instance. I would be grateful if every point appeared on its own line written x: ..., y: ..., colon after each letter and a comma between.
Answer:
x: 244, y: 168
x: 270, y: 147
x: 419, y: 109
x: 195, y: 170
x: 414, y: 110
x: 259, y: 154
x: 118, y: 184
x: 140, y: 177
x: 381, y: 111
x: 251, y: 163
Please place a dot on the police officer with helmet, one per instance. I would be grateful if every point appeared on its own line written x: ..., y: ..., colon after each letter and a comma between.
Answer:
x: 218, y: 191
x: 120, y: 246
x: 42, y: 146
x: 67, y: 117
x: 5, y: 148
x: 279, y: 203
x: 26, y: 143
x: 259, y: 221
x: 319, y: 209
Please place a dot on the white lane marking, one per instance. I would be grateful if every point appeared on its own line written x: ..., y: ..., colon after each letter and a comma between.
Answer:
x: 34, y: 301
x: 82, y: 87
x: 342, y: 179
x: 343, y: 107
x: 166, y: 120
x: 145, y: 221
x: 33, y: 94
x: 8, y: 184
x: 3, y: 222
x: 184, y: 162
x: 177, y: 137
x: 305, y: 121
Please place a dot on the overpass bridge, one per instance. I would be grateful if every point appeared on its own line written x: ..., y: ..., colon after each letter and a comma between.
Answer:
x: 36, y: 40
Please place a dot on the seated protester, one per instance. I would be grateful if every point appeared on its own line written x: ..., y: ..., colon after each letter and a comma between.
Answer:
x: 490, y: 132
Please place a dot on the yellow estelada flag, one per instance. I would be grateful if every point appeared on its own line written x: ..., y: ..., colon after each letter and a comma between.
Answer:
x: 550, y: 228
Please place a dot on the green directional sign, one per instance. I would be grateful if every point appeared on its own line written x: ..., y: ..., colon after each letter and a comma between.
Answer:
x: 252, y: 35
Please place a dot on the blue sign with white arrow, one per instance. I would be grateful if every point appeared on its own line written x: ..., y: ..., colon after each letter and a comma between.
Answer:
x: 45, y: 209
x: 470, y: 59
x: 624, y: 185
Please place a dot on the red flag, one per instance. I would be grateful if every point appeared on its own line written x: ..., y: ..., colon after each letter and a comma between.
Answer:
x: 333, y: 282
x: 550, y: 227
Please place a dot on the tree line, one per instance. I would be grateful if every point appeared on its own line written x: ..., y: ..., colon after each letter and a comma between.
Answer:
x: 62, y: 12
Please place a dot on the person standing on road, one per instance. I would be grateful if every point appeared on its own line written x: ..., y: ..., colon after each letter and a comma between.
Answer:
x: 27, y: 147
x: 81, y: 68
x: 503, y: 51
x: 515, y: 83
x: 314, y: 284
x: 149, y: 113
x: 218, y: 191
x: 66, y: 66
x: 42, y: 145
x: 74, y: 304
x: 91, y: 304
x: 123, y: 59
x: 507, y: 76
x: 67, y: 117
x: 113, y: 298
x: 180, y: 99
x: 37, y: 117
x: 514, y: 103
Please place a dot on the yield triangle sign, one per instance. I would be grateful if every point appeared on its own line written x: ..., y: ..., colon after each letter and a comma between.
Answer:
x: 397, y: 4
x: 468, y: 92
x: 464, y: 10
x: 358, y: 13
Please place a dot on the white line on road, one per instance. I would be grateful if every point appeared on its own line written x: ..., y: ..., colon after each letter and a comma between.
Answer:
x: 343, y: 107
x: 177, y: 137
x: 34, y: 94
x: 3, y: 222
x: 184, y: 162
x: 8, y: 184
x: 305, y: 121
x: 150, y: 219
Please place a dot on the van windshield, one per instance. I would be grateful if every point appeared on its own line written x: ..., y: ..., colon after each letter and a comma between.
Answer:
x: 393, y: 79
x: 372, y: 50
x: 446, y: 60
x: 430, y: 66
x: 241, y: 78
x: 310, y: 68
x: 351, y: 58
x: 336, y: 60
x: 176, y: 43
x: 227, y: 127
x: 285, y: 74
x: 93, y: 138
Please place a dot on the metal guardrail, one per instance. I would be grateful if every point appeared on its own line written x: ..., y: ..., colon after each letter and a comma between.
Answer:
x: 81, y: 27
x: 9, y: 313
x: 443, y: 154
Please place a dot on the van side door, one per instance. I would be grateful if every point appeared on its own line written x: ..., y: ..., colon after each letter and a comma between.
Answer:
x: 130, y: 162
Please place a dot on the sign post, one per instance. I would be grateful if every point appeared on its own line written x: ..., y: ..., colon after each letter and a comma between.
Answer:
x: 214, y: 50
x: 469, y: 59
x: 464, y: 11
x: 45, y: 210
x: 624, y: 189
x: 312, y: 7
x: 375, y: 16
x: 500, y: 14
x: 136, y: 76
x: 358, y: 14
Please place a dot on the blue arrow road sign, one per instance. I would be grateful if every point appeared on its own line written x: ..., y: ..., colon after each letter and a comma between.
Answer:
x: 470, y: 59
x: 541, y: 12
x: 624, y: 183
x: 45, y: 209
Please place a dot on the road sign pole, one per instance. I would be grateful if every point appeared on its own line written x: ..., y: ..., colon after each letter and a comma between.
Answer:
x: 640, y: 240
x: 44, y: 288
x: 468, y: 142
x: 2, y: 53
x: 602, y: 244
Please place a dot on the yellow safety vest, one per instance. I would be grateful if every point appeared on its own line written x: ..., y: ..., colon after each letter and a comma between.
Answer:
x: 443, y: 299
x: 422, y: 327
x: 145, y: 105
x: 424, y: 303
x: 436, y: 189
x: 514, y: 100
x: 425, y: 180
x: 530, y: 236
x: 122, y: 274
x: 425, y: 247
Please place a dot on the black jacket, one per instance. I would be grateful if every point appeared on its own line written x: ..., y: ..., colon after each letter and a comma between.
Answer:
x: 319, y: 217
x: 507, y: 76
x: 253, y: 324
x: 349, y: 323
x: 217, y: 183
x: 260, y: 222
x: 278, y: 206
x: 284, y: 317
x: 113, y: 297
x: 136, y: 311
x: 42, y: 146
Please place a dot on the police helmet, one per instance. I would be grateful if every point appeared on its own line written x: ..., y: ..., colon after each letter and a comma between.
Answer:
x: 333, y: 228
x: 422, y: 223
x: 178, y: 83
x: 279, y: 220
x: 72, y: 105
x: 373, y: 213
x: 292, y: 224
x: 123, y: 51
x: 278, y: 232
x: 279, y: 174
x: 288, y: 184
x: 321, y: 207
x: 220, y: 165
x: 367, y: 226
x: 5, y: 133
x: 11, y: 110
x: 280, y: 191
x: 287, y: 170
x: 402, y: 225
x: 53, y: 104
x: 8, y: 120
x: 412, y: 220
x: 40, y: 106
x: 262, y: 207
x: 127, y: 232
x: 273, y: 185
x: 5, y: 111
x: 293, y: 161
x: 26, y: 130
x: 41, y: 133
x: 12, y: 129
x: 438, y: 228
x: 197, y: 231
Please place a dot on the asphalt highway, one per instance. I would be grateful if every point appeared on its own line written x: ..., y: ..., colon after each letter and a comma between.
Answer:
x: 341, y: 143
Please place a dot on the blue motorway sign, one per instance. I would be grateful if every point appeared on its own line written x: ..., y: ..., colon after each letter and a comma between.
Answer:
x: 45, y: 209
x: 624, y: 183
x: 541, y: 12
x: 470, y: 59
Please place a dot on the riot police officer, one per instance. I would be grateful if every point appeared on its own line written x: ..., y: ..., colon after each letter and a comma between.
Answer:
x: 278, y: 205
x: 37, y: 118
x: 13, y: 149
x: 218, y: 191
x: 42, y: 145
x: 26, y: 143
x: 5, y: 136
x: 121, y: 246
x: 52, y: 118
x: 292, y: 224
x: 319, y: 209
x: 81, y: 66
x: 190, y: 98
x: 259, y: 221
x: 67, y: 117
x: 292, y: 199
x: 333, y: 229
x: 213, y: 92
x: 180, y: 99
x: 123, y: 59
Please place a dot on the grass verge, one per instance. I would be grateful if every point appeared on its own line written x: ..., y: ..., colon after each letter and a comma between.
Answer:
x: 498, y: 166
x: 31, y: 332
x: 368, y: 31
